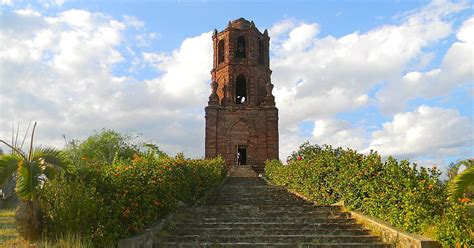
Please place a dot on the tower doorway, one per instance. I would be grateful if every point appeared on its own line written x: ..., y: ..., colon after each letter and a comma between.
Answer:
x: 242, y: 155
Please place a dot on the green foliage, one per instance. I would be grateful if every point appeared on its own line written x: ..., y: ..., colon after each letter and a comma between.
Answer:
x: 69, y: 204
x: 395, y: 191
x: 42, y: 163
x: 105, y: 202
x: 8, y: 165
x: 32, y: 169
x: 452, y: 227
x: 104, y: 146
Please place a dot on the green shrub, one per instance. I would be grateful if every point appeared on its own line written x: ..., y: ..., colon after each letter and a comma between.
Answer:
x: 105, y: 202
x: 68, y: 204
x: 451, y: 229
x: 412, y: 198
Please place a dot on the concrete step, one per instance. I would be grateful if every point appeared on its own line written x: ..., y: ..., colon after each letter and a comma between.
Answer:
x: 234, y: 214
x: 266, y: 208
x: 298, y: 238
x: 266, y: 231
x: 284, y: 220
x: 252, y: 210
x: 266, y: 225
x: 246, y: 212
x: 266, y: 245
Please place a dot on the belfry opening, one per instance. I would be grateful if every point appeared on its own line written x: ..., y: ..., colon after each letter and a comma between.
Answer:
x: 241, y: 117
x: 240, y: 90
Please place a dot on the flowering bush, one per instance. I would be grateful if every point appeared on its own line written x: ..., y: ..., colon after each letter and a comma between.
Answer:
x: 105, y: 202
x: 412, y: 198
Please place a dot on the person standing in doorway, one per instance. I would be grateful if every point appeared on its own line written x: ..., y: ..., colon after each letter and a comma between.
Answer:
x: 238, y: 158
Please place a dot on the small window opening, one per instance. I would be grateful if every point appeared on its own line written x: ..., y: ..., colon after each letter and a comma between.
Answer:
x: 240, y: 52
x: 241, y: 90
x: 261, y: 52
x: 221, y: 51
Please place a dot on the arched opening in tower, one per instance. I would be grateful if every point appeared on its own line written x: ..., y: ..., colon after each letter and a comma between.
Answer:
x: 221, y: 51
x: 240, y: 52
x: 241, y: 90
x: 261, y: 52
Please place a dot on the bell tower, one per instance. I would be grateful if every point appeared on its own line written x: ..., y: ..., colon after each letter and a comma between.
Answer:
x: 241, y: 117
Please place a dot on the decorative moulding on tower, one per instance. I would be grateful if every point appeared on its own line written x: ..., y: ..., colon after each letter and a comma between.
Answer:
x: 213, y: 98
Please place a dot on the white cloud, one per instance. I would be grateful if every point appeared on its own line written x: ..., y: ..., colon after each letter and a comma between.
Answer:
x: 59, y: 70
x: 281, y: 28
x: 316, y: 78
x: 300, y: 37
x: 456, y: 68
x: 6, y: 2
x: 289, y: 142
x: 425, y: 131
x: 133, y: 22
x: 466, y: 31
x: 339, y: 133
x: 186, y: 77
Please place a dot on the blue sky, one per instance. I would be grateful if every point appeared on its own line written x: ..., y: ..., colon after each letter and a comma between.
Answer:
x: 394, y: 76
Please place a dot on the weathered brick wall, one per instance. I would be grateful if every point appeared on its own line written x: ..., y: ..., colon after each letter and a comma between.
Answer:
x: 226, y: 128
x: 254, y: 123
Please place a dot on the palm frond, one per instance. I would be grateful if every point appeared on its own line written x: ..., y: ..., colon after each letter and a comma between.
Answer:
x: 49, y: 171
x: 52, y: 157
x: 461, y: 182
x: 27, y: 180
x: 467, y: 162
x: 15, y: 149
x: 8, y: 165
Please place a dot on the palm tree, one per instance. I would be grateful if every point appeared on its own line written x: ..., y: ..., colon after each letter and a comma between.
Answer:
x: 453, y: 168
x: 463, y: 182
x: 32, y: 169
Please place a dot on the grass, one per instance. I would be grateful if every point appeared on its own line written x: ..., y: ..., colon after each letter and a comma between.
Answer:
x: 10, y: 238
x: 7, y: 226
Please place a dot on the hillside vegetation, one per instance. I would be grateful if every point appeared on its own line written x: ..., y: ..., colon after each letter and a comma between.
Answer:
x: 116, y: 187
x: 410, y: 197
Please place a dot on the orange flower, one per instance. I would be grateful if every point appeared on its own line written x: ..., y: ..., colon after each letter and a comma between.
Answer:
x: 430, y: 186
x: 136, y: 158
x: 464, y: 200
x: 126, y: 213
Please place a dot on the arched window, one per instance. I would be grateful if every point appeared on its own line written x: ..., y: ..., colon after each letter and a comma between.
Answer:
x: 220, y: 51
x: 240, y: 50
x: 241, y: 90
x: 261, y: 52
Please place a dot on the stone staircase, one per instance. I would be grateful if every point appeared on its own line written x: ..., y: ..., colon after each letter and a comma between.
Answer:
x: 247, y: 212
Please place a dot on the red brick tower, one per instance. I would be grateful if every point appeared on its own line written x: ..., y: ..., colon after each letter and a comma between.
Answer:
x: 241, y: 116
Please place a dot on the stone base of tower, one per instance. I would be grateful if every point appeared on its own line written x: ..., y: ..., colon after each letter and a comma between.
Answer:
x: 231, y: 128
